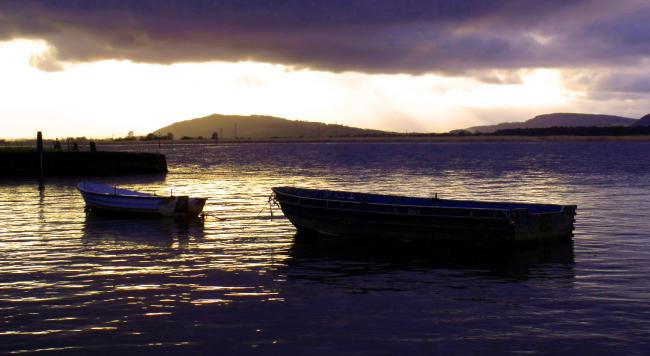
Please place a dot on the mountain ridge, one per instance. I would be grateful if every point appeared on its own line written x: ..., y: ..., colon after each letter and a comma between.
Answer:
x: 264, y: 126
x: 644, y: 121
x: 260, y: 126
x: 558, y: 120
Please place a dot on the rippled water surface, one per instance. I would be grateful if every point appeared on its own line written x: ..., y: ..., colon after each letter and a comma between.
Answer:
x: 244, y: 283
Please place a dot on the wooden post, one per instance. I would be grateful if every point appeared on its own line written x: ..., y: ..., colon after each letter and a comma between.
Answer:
x: 39, y: 152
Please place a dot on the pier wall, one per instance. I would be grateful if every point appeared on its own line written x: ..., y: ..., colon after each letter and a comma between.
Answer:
x: 25, y: 163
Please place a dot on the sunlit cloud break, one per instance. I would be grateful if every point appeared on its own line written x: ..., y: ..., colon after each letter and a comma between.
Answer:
x: 102, y: 68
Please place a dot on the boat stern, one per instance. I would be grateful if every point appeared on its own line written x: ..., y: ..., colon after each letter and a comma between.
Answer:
x: 544, y: 226
x: 182, y: 206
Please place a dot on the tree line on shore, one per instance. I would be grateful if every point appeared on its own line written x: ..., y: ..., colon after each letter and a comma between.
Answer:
x: 548, y: 131
x: 576, y: 131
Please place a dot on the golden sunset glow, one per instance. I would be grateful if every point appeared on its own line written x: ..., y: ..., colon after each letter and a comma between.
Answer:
x: 110, y: 97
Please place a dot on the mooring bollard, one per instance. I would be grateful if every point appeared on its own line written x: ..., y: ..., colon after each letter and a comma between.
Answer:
x: 39, y: 152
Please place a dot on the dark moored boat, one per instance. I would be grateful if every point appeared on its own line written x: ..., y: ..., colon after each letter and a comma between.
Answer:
x: 348, y: 214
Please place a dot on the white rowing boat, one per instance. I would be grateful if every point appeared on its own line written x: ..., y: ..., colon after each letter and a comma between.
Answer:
x: 105, y: 198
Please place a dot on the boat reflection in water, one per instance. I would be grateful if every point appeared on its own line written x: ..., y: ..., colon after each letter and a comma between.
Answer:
x: 316, y: 254
x: 101, y: 228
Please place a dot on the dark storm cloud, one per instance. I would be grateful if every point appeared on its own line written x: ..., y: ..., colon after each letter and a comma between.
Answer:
x: 605, y: 83
x: 411, y: 36
x: 630, y: 83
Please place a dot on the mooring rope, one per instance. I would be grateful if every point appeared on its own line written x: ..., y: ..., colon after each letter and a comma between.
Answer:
x: 270, y: 203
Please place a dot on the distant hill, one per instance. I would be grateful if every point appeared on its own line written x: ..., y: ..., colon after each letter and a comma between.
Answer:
x: 558, y: 120
x: 644, y: 121
x: 578, y: 131
x: 259, y: 127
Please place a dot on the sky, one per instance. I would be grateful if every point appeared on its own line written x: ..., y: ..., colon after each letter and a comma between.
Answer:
x: 101, y: 68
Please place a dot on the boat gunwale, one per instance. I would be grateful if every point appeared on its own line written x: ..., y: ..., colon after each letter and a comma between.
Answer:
x: 149, y: 196
x: 127, y: 196
x: 505, y: 217
x: 563, y: 207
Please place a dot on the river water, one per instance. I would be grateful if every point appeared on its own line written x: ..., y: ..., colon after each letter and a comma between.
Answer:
x: 244, y: 283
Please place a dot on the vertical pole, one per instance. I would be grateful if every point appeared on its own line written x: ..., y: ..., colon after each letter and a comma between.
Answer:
x: 39, y: 152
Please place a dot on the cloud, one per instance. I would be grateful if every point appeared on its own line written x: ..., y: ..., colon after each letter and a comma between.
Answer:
x: 625, y: 83
x: 409, y: 36
x: 610, y: 82
x: 498, y: 76
x: 46, y: 61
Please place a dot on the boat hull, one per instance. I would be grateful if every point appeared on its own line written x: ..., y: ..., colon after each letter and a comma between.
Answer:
x: 360, y: 217
x: 172, y: 206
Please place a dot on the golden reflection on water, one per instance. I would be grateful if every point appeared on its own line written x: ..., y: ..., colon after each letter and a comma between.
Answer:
x: 67, y: 273
x: 107, y: 256
x: 238, y: 235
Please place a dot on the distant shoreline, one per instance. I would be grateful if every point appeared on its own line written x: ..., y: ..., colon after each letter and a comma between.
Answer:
x: 398, y: 139
x: 443, y: 139
x: 404, y: 139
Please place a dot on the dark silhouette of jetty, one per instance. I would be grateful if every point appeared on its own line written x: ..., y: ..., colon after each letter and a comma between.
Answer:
x: 38, y: 162
x: 25, y: 163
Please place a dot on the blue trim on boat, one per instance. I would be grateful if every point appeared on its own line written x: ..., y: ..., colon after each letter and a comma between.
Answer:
x: 404, y: 201
x: 352, y: 214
